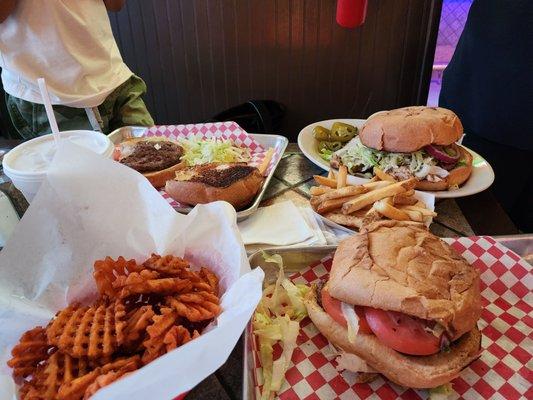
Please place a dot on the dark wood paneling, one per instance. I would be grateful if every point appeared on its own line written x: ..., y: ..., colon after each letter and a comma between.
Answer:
x: 201, y: 57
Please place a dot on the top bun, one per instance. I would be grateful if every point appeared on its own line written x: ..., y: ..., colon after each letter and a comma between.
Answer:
x: 408, y: 129
x: 400, y: 266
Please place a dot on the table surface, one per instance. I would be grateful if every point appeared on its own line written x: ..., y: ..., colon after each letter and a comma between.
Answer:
x: 477, y: 215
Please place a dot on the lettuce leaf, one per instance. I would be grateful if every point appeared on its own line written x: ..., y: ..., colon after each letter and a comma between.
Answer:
x: 202, y: 151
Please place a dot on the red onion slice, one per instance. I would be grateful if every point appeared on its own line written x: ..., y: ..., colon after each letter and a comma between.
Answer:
x: 441, y: 155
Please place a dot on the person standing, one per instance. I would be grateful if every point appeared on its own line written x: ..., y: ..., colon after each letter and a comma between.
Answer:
x: 488, y: 84
x: 69, y: 43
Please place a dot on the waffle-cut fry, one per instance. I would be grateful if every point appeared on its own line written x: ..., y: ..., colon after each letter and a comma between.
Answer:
x: 58, y: 369
x: 144, y: 310
x: 106, y: 379
x: 169, y: 265
x: 146, y: 282
x: 76, y: 388
x: 107, y: 270
x: 87, y: 331
x: 31, y: 350
x: 176, y: 267
x: 210, y: 278
x: 156, y: 332
x: 177, y: 336
x: 137, y: 321
x: 195, y: 306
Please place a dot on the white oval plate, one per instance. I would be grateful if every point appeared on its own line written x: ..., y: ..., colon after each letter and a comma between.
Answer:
x: 482, y: 174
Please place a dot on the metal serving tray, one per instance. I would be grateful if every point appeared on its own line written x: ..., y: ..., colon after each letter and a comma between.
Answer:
x: 298, y: 258
x: 276, y: 141
x: 294, y: 259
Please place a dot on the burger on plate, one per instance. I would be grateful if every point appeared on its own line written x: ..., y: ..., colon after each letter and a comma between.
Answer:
x: 157, y: 158
x: 400, y: 302
x: 411, y: 141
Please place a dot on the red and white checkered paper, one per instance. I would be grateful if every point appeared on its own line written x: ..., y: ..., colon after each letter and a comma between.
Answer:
x: 220, y: 130
x: 504, y: 370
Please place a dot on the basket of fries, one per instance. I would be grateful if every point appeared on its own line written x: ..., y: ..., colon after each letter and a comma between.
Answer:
x: 350, y: 205
x: 137, y: 303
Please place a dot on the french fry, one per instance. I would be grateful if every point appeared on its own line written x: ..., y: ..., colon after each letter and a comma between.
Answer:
x: 374, y: 179
x: 333, y: 204
x: 378, y: 194
x: 351, y: 221
x: 341, y: 176
x: 331, y: 174
x: 377, y: 184
x: 342, y: 192
x: 318, y: 190
x: 383, y: 175
x: 322, y: 180
x: 266, y: 161
x: 414, y: 215
x: 385, y: 208
x: 422, y: 210
x: 406, y: 198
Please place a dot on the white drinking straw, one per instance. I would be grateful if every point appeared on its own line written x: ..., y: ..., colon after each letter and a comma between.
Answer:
x: 49, y: 110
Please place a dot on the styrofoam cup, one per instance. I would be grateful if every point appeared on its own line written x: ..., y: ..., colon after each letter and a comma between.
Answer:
x: 27, y: 164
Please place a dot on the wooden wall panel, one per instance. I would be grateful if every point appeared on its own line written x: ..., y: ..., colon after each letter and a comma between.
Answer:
x: 203, y: 56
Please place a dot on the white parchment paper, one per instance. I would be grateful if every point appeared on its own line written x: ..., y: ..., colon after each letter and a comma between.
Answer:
x: 90, y: 207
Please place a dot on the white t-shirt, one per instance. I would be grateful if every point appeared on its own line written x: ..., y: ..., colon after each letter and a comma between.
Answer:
x: 69, y: 43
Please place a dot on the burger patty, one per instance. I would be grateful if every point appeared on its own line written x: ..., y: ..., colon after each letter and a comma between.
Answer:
x: 222, y: 177
x: 149, y: 156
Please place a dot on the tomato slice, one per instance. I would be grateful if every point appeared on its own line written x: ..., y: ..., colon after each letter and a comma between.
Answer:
x: 333, y: 308
x: 402, y: 332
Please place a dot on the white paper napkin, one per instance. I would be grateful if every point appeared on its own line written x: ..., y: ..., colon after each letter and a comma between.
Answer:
x: 280, y: 224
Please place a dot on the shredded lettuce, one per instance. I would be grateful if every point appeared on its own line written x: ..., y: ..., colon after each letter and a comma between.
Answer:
x: 202, y: 151
x: 359, y: 158
x: 277, y: 319
x: 441, y: 392
x: 326, y: 154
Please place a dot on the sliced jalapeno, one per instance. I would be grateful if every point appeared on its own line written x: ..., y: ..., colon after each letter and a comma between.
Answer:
x: 332, y: 146
x: 342, y: 132
x: 321, y: 133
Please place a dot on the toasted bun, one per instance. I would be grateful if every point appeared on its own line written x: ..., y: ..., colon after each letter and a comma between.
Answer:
x: 239, y: 193
x: 408, y: 129
x: 400, y: 266
x: 417, y: 372
x: 159, y: 178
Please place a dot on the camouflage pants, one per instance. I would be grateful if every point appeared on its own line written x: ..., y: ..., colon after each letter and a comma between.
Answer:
x: 124, y: 106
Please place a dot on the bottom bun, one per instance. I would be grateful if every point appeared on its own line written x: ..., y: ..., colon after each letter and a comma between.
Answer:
x: 418, y: 372
x: 239, y: 194
x: 158, y: 179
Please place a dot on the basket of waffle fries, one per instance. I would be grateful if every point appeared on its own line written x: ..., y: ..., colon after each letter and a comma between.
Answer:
x: 350, y: 205
x: 137, y: 303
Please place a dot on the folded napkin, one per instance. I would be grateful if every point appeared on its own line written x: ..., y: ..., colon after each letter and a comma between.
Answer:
x: 280, y: 224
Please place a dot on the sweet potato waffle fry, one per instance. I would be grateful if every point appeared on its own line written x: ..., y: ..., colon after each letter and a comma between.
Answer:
x: 144, y: 311
x: 32, y: 349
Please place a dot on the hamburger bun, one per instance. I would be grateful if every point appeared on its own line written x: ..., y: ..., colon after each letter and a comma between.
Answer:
x: 235, y: 183
x: 417, y: 372
x: 401, y: 266
x: 408, y: 129
x: 159, y: 178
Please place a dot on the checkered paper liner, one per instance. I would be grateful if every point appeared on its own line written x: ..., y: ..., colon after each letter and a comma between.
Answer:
x: 220, y: 130
x: 504, y: 370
